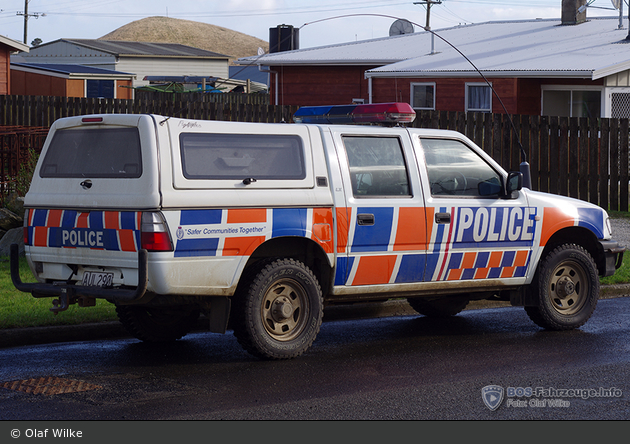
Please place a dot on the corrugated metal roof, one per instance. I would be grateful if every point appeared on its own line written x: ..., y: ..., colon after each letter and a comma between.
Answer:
x: 120, y: 48
x: 13, y: 44
x: 372, y: 52
x: 592, y: 49
x: 71, y: 69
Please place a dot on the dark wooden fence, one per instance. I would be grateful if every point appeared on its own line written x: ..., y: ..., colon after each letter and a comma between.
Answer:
x: 577, y: 157
x: 43, y: 111
x: 582, y: 158
x: 236, y: 98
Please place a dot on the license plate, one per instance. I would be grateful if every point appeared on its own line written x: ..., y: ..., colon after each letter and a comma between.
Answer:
x: 97, y: 279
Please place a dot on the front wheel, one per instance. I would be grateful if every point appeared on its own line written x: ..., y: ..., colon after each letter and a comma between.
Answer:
x: 567, y: 287
x: 279, y: 312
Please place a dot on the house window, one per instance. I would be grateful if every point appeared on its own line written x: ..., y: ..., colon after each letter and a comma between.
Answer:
x: 566, y: 102
x: 478, y: 97
x: 423, y: 95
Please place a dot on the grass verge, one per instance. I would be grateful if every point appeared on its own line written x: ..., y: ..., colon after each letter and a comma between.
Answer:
x: 18, y: 309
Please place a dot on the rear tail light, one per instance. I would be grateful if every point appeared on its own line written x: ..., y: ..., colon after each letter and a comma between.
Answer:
x: 154, y: 233
x: 92, y: 120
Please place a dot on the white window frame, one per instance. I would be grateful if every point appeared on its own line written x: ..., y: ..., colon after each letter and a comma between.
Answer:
x: 85, y: 85
x: 489, y: 87
x: 411, y: 88
x: 603, y: 110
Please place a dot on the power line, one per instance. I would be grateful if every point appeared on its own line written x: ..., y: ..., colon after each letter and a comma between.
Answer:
x: 428, y: 4
x: 27, y: 16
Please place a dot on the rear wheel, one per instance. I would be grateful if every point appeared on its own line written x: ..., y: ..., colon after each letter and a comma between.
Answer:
x: 279, y: 312
x: 154, y: 324
x: 438, y: 308
x: 567, y: 287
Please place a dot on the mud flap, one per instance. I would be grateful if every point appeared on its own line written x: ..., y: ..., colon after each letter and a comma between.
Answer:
x: 219, y: 314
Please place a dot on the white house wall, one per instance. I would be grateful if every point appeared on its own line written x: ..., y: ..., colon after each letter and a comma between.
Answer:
x: 150, y: 66
x: 619, y: 79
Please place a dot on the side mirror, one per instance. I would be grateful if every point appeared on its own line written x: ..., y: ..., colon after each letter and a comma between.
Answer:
x: 514, y: 184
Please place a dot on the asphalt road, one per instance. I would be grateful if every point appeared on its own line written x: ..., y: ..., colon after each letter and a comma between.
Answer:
x: 389, y: 368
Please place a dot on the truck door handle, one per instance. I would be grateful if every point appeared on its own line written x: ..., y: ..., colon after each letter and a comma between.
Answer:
x: 365, y: 219
x: 443, y: 218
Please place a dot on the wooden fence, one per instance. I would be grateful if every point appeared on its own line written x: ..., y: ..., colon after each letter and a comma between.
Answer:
x: 42, y: 111
x: 236, y: 98
x: 578, y: 157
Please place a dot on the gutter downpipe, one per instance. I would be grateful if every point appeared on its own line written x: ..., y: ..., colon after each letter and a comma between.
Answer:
x: 369, y: 78
x: 271, y: 72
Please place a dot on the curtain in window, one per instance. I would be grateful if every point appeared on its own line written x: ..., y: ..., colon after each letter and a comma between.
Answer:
x: 479, y: 98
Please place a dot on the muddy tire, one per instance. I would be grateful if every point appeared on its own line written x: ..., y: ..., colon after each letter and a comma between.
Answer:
x: 566, y: 287
x: 438, y: 308
x: 152, y: 324
x: 278, y: 312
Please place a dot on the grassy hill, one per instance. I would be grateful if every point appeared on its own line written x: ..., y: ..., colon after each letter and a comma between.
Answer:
x: 186, y: 32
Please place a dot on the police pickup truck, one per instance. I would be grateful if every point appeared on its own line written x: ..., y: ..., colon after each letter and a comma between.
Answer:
x: 263, y: 225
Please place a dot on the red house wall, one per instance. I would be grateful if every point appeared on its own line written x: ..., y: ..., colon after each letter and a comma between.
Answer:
x: 319, y: 85
x: 31, y: 84
x: 337, y: 85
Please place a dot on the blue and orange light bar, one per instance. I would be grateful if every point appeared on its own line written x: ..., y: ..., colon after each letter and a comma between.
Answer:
x: 375, y: 113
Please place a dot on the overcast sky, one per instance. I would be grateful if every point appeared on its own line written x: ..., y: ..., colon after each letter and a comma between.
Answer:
x: 321, y: 22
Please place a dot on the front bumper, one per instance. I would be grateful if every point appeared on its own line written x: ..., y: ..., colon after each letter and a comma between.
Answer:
x: 613, y: 256
x: 69, y: 293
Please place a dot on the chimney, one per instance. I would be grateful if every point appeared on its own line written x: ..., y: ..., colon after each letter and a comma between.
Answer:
x: 573, y: 12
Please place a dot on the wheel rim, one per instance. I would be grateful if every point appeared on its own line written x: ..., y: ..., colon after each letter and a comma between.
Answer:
x: 568, y: 288
x: 284, y: 310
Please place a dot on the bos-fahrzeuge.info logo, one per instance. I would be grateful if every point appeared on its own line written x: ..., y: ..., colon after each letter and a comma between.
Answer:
x: 540, y: 397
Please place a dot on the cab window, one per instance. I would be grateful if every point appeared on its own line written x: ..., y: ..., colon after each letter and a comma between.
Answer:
x: 377, y: 166
x: 456, y: 170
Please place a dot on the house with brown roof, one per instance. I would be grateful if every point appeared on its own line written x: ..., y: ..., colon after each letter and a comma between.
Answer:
x: 139, y: 58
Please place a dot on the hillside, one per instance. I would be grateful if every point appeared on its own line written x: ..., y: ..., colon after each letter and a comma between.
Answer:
x: 187, y: 32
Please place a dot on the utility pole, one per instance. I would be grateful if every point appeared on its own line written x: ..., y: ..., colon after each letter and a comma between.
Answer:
x: 26, y: 16
x: 428, y: 4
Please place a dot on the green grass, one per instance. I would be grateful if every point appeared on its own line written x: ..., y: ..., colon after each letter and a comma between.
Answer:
x: 622, y: 275
x: 18, y: 309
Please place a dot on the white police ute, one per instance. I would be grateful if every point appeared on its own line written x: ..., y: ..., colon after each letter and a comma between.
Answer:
x: 263, y: 225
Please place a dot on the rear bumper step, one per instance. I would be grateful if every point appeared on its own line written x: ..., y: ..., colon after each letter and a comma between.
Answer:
x: 67, y: 292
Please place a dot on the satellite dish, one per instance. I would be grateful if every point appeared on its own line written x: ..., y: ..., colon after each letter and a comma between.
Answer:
x: 260, y: 51
x: 616, y: 3
x: 400, y: 27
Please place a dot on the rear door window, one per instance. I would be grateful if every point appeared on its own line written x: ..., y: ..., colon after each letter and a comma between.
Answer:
x: 97, y: 152
x: 377, y: 166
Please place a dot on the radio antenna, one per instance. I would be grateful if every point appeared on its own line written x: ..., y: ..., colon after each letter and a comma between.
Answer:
x: 524, y: 166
